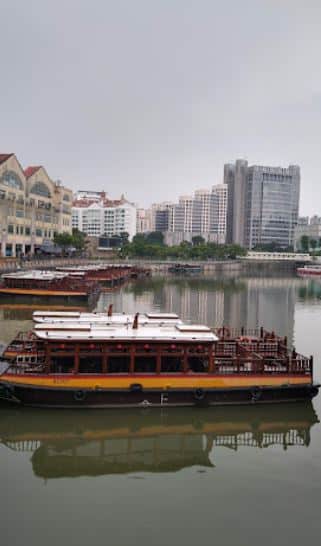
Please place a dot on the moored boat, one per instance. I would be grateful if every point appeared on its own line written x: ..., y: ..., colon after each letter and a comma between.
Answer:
x: 49, y: 284
x: 309, y: 271
x: 127, y: 365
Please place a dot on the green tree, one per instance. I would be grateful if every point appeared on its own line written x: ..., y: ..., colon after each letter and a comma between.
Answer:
x: 124, y: 237
x: 155, y: 237
x: 313, y: 244
x: 305, y: 243
x: 63, y: 240
x: 198, y: 240
x: 78, y: 239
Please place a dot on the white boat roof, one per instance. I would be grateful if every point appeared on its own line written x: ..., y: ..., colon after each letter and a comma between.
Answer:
x: 121, y: 333
x: 36, y: 275
x: 36, y: 314
x: 116, y: 318
x: 87, y: 325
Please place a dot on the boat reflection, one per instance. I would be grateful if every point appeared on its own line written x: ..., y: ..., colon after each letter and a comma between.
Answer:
x: 71, y: 443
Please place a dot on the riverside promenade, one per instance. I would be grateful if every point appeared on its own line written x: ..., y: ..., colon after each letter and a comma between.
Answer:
x: 228, y: 267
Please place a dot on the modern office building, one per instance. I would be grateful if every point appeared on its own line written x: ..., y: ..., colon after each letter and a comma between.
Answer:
x: 32, y: 207
x: 104, y: 216
x: 263, y: 204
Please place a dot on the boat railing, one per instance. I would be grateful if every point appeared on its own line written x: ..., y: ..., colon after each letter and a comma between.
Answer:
x: 256, y: 363
x: 26, y: 368
x: 247, y: 335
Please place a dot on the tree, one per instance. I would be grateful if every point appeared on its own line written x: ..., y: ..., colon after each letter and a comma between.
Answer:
x: 63, y: 239
x: 139, y: 238
x: 124, y: 237
x: 305, y: 243
x: 155, y: 237
x: 78, y: 239
x: 198, y: 240
x: 313, y: 244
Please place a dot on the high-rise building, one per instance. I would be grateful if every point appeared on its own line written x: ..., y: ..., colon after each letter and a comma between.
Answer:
x: 104, y: 217
x: 263, y: 204
x: 203, y: 213
x: 144, y: 220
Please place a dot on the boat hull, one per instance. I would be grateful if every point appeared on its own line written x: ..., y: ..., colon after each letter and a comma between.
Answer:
x: 28, y: 395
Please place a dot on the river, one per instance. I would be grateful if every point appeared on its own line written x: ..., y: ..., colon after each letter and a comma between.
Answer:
x: 150, y: 477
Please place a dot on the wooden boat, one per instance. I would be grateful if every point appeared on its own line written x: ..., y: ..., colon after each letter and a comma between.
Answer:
x: 128, y: 441
x: 106, y: 274
x: 170, y: 365
x: 49, y: 284
x: 25, y: 348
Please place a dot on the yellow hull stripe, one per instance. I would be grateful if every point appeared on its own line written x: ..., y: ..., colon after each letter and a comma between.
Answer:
x: 39, y: 292
x: 156, y: 382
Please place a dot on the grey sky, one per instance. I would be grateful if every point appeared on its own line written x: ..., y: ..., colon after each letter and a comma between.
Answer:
x: 151, y: 98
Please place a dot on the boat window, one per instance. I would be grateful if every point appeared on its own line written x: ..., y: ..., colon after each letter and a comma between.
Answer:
x: 118, y: 364
x: 198, y: 364
x: 63, y: 364
x: 90, y: 364
x: 145, y: 364
x: 171, y: 364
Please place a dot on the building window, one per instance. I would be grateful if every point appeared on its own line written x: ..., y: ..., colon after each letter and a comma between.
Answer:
x: 66, y: 197
x: 40, y: 188
x: 10, y: 228
x: 11, y: 179
x: 38, y: 233
x: 27, y: 231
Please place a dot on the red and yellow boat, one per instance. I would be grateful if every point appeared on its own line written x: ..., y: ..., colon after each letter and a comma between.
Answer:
x: 173, y: 364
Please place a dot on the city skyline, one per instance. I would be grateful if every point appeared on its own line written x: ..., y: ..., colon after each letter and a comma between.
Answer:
x: 129, y: 109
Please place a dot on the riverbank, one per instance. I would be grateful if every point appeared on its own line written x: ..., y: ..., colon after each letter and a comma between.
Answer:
x: 236, y: 267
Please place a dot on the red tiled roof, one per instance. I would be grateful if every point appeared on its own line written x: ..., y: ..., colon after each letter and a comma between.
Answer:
x: 105, y: 202
x: 29, y: 171
x: 4, y: 157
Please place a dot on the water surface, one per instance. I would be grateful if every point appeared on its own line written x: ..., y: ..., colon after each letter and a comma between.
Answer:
x: 230, y: 476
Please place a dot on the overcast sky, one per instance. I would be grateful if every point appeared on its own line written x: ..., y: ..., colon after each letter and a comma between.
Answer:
x: 152, y: 97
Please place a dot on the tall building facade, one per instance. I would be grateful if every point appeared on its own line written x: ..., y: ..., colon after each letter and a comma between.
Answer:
x: 143, y: 220
x: 263, y: 204
x: 203, y: 213
x: 97, y: 217
x: 32, y: 207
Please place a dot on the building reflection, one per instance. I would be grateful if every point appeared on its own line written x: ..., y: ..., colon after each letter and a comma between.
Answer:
x: 105, y: 443
x: 248, y: 302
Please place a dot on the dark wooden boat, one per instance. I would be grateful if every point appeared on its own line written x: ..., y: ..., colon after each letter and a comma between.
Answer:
x: 107, y: 275
x: 48, y: 284
x: 122, y: 365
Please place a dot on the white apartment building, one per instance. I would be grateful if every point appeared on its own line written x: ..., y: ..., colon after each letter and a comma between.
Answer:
x: 203, y: 213
x: 104, y: 217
